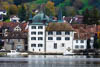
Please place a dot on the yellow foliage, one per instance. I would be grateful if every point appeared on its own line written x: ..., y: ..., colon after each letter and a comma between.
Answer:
x: 50, y: 7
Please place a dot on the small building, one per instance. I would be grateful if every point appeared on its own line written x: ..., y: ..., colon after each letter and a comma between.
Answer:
x: 14, y: 35
x: 80, y: 41
x: 2, y: 13
x: 14, y: 18
x: 15, y: 41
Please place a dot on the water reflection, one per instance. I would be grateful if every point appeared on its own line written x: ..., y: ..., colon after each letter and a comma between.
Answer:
x: 50, y: 61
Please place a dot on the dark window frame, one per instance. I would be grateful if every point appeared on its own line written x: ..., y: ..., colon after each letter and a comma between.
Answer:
x: 50, y: 38
x: 58, y: 38
x: 33, y: 27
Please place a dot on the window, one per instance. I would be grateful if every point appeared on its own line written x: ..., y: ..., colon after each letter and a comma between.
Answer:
x: 33, y: 38
x: 58, y: 38
x: 19, y: 46
x: 33, y: 49
x: 39, y: 49
x: 33, y: 45
x: 40, y: 33
x: 33, y: 33
x: 76, y: 46
x: 67, y: 33
x: 67, y: 38
x: 50, y: 38
x: 58, y: 33
x: 55, y: 45
x: 33, y: 27
x: 63, y: 44
x: 82, y: 41
x: 18, y: 40
x: 76, y: 41
x: 40, y: 38
x: 40, y: 45
x: 40, y: 27
x: 81, y: 46
x: 50, y: 33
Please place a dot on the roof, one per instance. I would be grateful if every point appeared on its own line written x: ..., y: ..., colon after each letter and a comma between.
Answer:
x: 2, y: 10
x: 16, y: 35
x: 40, y: 17
x: 59, y: 27
x: 12, y: 25
x: 80, y: 36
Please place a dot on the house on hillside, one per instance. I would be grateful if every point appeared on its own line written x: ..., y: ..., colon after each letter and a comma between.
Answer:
x: 2, y: 13
x: 14, y: 18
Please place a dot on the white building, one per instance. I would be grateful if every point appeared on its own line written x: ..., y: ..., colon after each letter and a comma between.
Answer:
x: 36, y: 35
x: 79, y: 42
x: 14, y: 19
x: 59, y: 37
x: 52, y: 38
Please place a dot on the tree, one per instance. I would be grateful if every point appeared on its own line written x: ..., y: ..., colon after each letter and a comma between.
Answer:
x: 70, y: 11
x: 88, y: 44
x: 50, y: 8
x: 78, y: 4
x: 98, y: 43
x: 22, y: 13
x: 13, y: 10
x: 17, y: 2
x: 94, y: 15
x: 95, y: 45
x: 86, y: 17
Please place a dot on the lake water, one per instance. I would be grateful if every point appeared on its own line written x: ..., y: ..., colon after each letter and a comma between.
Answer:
x: 50, y: 61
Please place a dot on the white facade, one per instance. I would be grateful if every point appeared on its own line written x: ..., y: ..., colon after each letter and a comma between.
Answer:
x: 58, y: 43
x: 79, y: 44
x: 14, y: 19
x: 36, y: 38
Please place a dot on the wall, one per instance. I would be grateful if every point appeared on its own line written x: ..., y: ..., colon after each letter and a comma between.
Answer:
x: 60, y: 48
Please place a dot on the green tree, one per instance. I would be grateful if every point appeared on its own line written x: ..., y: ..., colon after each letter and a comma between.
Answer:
x: 94, y: 15
x: 98, y: 43
x: 70, y: 11
x: 86, y: 17
x: 22, y: 13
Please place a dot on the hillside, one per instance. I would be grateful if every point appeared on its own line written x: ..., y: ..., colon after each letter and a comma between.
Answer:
x: 68, y: 7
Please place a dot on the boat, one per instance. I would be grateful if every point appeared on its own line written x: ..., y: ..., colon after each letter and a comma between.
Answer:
x: 13, y: 53
x: 68, y: 53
